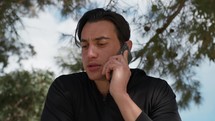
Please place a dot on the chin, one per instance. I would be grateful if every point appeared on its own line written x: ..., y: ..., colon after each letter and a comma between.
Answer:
x: 95, y: 76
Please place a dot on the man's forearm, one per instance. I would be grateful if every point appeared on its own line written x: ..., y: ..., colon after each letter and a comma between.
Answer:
x: 129, y: 110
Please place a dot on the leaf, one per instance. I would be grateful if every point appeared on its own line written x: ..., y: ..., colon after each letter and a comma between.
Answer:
x: 154, y: 8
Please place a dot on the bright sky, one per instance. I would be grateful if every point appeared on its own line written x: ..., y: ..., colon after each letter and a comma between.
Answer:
x: 43, y: 33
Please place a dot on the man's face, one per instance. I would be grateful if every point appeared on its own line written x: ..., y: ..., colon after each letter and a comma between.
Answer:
x: 99, y: 42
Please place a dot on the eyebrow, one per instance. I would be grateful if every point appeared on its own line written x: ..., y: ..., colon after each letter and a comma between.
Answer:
x: 96, y: 39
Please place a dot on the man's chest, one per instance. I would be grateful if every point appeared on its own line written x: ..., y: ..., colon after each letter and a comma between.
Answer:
x: 97, y: 109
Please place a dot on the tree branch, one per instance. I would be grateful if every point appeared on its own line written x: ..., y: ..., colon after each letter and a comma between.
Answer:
x: 161, y: 30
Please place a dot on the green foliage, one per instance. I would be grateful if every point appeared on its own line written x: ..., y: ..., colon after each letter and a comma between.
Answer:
x: 154, y: 8
x: 22, y: 94
x: 204, y: 8
x: 181, y: 35
x: 10, y: 23
x: 71, y: 61
x: 178, y: 35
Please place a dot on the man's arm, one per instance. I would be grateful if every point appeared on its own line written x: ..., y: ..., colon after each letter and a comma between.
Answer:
x: 118, y: 72
x: 129, y: 110
x: 163, y: 106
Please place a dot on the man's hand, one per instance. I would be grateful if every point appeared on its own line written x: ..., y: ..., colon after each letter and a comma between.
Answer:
x: 118, y: 72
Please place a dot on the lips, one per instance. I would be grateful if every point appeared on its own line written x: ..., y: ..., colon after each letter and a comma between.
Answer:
x: 93, y: 67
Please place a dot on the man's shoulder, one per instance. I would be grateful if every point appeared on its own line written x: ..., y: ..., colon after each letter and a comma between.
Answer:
x: 140, y: 74
x: 69, y: 81
x: 75, y: 76
x: 140, y: 77
x: 148, y: 84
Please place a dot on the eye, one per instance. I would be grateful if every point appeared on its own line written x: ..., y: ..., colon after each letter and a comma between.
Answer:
x: 101, y: 44
x: 84, y: 45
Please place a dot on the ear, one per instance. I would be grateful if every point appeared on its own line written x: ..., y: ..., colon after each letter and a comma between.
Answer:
x: 129, y: 43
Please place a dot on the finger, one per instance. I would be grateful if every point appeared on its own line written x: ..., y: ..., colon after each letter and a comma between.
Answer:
x: 125, y: 55
x: 108, y: 74
x: 110, y: 67
x: 104, y: 68
x: 106, y: 71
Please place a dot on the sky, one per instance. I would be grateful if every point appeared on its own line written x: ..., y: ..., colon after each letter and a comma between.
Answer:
x: 43, y: 32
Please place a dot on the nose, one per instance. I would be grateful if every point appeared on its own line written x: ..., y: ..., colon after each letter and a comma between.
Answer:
x: 92, y: 52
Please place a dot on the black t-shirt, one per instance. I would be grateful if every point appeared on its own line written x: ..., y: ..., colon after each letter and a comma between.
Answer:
x: 75, y: 97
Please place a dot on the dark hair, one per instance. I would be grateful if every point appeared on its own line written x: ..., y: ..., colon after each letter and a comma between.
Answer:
x: 122, y: 26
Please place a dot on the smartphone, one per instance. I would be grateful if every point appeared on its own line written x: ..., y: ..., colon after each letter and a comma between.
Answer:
x: 122, y: 49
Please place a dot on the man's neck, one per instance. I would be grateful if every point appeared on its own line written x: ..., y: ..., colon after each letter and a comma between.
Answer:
x: 103, y: 86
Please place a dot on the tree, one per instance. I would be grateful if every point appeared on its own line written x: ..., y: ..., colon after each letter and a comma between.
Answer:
x: 174, y: 37
x: 11, y: 15
x: 9, y: 44
x: 181, y: 35
x: 23, y: 94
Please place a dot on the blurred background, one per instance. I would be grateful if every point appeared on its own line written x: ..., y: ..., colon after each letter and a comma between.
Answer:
x: 173, y: 40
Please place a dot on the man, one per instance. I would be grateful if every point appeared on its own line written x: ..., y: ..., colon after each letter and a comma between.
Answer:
x: 108, y: 90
